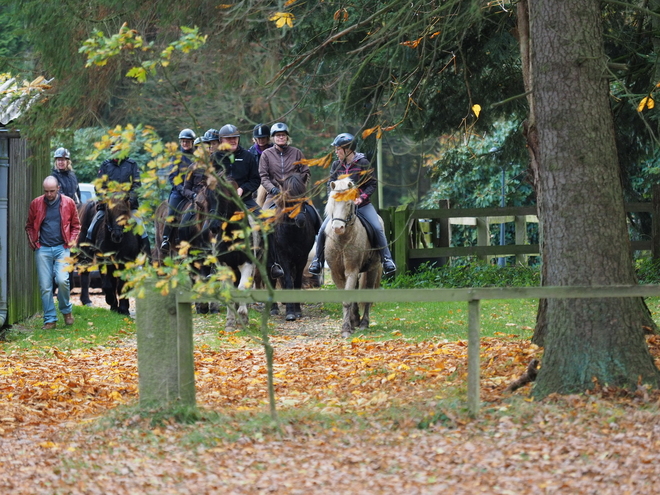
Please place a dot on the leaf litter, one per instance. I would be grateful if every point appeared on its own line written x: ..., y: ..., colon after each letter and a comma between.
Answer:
x: 359, y: 416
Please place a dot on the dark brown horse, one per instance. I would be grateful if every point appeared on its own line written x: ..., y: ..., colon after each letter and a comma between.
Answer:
x: 113, y: 243
x: 294, y: 231
x: 212, y: 227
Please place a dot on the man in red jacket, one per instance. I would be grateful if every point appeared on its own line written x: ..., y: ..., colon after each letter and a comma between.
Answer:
x: 52, y: 228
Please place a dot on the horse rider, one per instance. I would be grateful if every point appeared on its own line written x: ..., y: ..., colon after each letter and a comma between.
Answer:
x: 122, y: 171
x: 242, y: 166
x: 239, y: 164
x: 178, y: 170
x: 355, y: 165
x: 211, y: 140
x: 66, y: 177
x: 261, y: 140
x: 279, y: 162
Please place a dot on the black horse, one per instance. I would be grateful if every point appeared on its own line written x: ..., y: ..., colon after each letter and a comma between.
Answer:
x: 295, y: 228
x: 213, y: 225
x: 113, y: 243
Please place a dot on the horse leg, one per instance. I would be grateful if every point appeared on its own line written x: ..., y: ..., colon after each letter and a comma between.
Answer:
x: 297, y: 284
x: 230, y: 323
x: 288, y: 284
x: 350, y: 309
x: 370, y: 280
x: 84, y: 289
x: 124, y: 303
x: 245, y: 282
x: 110, y: 290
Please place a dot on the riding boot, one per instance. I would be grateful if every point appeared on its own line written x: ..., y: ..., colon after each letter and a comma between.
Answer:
x: 385, y: 255
x: 316, y: 266
x: 165, y: 245
x: 274, y: 268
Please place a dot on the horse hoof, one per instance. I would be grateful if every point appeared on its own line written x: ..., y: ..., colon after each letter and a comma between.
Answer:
x: 290, y: 317
x: 345, y: 334
x: 298, y: 315
x: 274, y: 312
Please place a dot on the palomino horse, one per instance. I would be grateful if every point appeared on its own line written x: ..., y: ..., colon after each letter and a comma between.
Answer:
x: 116, y: 243
x: 349, y: 252
x: 217, y: 233
x: 296, y: 225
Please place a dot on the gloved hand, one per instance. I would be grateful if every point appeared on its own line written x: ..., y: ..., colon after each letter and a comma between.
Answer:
x: 214, y: 226
x: 274, y: 191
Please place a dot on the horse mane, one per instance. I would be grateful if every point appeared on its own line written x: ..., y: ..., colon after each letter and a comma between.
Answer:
x: 294, y: 191
x: 339, y: 186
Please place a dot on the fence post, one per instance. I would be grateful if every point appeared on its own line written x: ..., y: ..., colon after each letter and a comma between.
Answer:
x: 473, y: 358
x: 655, y: 219
x: 521, y: 238
x: 444, y: 234
x: 401, y: 238
x: 165, y: 350
x: 483, y: 235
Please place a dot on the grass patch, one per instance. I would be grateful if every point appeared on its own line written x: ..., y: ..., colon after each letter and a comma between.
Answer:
x: 92, y: 327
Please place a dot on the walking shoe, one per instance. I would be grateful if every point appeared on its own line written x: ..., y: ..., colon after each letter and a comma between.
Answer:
x: 315, y: 267
x: 68, y: 319
x: 49, y: 326
x: 388, y: 266
x: 276, y: 271
x: 165, y: 245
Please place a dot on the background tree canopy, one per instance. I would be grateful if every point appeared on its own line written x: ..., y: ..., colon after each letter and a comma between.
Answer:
x: 416, y: 69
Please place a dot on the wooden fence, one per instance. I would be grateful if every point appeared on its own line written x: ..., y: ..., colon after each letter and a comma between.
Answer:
x: 425, y: 235
x: 165, y: 342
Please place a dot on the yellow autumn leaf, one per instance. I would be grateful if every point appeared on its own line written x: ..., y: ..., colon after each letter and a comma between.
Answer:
x: 476, y: 109
x: 647, y: 102
x: 282, y: 19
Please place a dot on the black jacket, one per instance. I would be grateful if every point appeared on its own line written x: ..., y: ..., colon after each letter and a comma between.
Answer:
x: 244, y: 169
x: 68, y: 183
x: 179, y: 166
x: 123, y: 172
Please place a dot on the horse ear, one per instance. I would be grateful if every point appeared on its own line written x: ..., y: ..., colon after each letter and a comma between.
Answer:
x: 332, y: 185
x: 351, y: 184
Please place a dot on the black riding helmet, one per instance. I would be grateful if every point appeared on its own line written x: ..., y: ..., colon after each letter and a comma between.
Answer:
x: 345, y: 140
x: 210, y: 135
x: 187, y: 134
x: 261, y: 131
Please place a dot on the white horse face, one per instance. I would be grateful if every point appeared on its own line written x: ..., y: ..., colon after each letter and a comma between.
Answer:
x: 340, y: 216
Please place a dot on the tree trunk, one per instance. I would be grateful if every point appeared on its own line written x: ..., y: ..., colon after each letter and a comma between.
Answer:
x: 581, y: 203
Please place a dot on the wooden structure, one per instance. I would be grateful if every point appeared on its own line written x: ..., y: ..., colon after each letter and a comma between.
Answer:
x: 168, y: 377
x: 417, y: 235
x: 23, y: 167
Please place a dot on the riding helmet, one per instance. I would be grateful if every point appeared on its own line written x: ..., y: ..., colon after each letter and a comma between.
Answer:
x: 187, y: 134
x: 279, y: 127
x: 261, y: 131
x: 345, y: 140
x: 228, y: 130
x: 210, y: 135
x: 62, y: 153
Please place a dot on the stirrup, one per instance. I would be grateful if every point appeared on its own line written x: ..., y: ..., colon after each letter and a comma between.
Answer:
x: 315, y: 267
x: 276, y: 271
x: 165, y: 245
x: 388, y: 266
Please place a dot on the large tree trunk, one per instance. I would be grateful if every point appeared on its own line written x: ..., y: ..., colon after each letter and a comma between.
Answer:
x: 581, y: 206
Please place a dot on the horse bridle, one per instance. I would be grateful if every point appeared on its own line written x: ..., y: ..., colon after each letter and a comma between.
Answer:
x: 349, y: 219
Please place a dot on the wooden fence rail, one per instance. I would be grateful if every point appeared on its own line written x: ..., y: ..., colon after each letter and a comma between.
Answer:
x: 417, y: 235
x: 164, y: 326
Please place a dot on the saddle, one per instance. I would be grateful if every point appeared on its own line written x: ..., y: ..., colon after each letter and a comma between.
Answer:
x: 371, y: 232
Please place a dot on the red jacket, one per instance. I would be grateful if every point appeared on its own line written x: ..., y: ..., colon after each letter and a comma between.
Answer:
x: 69, y: 215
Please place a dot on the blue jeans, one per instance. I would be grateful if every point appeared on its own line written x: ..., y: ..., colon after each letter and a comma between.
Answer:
x: 51, y: 265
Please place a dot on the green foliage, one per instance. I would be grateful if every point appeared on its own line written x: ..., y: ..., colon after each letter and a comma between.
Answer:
x: 473, y: 275
x: 648, y: 271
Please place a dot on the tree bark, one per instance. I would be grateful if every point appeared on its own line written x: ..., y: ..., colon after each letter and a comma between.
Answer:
x: 580, y: 200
